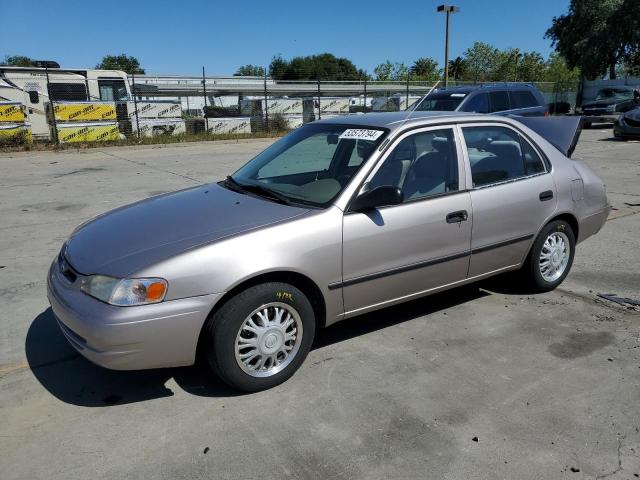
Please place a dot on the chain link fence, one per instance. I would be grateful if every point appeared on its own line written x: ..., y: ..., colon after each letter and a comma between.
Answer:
x: 87, y: 106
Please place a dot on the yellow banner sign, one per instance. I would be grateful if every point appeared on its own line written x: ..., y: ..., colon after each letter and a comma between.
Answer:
x: 88, y: 133
x: 84, y: 111
x: 12, y: 112
x: 15, y: 133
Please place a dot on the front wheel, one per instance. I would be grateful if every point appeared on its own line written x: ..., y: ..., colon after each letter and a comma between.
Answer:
x: 260, y: 337
x: 551, y: 256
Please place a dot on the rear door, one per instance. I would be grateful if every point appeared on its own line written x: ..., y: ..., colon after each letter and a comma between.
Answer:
x: 512, y: 195
x: 499, y: 101
x: 524, y: 102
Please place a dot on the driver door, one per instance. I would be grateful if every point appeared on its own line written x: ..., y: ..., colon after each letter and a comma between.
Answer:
x: 398, y: 252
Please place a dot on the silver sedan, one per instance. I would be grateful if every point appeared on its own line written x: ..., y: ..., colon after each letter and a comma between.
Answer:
x: 340, y: 217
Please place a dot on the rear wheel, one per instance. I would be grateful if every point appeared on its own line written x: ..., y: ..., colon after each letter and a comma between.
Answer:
x: 551, y: 257
x: 260, y: 337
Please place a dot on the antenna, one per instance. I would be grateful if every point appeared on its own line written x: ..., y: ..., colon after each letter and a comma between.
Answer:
x: 417, y: 104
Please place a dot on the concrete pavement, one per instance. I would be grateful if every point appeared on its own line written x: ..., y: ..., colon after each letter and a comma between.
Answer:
x: 480, y: 382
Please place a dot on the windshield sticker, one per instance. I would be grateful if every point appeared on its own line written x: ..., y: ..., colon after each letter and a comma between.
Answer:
x: 361, y: 134
x: 458, y: 94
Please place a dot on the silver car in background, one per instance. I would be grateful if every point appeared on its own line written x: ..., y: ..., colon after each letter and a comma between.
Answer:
x: 340, y: 217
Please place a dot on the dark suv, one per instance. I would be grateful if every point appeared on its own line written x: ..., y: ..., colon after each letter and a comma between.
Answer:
x: 498, y: 98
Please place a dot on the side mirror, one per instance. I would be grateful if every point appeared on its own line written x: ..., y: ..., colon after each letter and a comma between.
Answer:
x: 378, y: 197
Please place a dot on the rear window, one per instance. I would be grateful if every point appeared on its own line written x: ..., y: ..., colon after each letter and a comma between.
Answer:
x: 523, y: 99
x: 442, y: 101
x: 499, y: 101
x: 478, y: 103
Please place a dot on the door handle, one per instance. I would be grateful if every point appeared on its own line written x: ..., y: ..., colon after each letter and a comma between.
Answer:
x: 457, y: 217
x: 546, y: 195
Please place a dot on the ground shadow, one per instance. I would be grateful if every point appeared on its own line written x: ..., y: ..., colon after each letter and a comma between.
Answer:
x: 510, y: 283
x: 74, y: 380
x: 387, y: 317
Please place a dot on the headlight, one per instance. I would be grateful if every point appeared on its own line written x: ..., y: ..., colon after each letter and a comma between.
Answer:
x: 124, y: 292
x: 611, y: 108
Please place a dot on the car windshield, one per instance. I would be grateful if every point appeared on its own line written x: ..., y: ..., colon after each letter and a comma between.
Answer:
x: 442, y: 101
x: 613, y: 93
x: 310, y: 166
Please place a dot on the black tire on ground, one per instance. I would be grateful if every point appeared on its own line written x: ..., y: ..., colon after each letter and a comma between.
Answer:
x: 530, y: 272
x: 224, y: 326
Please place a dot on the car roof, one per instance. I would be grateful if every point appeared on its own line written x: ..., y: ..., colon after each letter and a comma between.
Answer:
x: 394, y: 120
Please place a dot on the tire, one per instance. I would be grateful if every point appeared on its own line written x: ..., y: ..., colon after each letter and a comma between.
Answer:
x: 240, y: 340
x: 532, y: 271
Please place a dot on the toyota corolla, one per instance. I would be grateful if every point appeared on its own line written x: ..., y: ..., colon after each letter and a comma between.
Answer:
x: 339, y: 218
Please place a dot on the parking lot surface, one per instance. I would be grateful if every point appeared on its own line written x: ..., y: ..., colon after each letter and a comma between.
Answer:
x: 484, y: 381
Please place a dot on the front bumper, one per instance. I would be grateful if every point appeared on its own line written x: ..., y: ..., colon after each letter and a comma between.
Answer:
x: 128, y: 338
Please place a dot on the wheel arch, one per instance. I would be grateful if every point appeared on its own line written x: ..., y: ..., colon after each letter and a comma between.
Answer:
x: 567, y: 217
x: 298, y: 280
x: 570, y: 219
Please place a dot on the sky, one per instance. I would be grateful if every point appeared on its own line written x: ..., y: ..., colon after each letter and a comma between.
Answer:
x: 180, y: 37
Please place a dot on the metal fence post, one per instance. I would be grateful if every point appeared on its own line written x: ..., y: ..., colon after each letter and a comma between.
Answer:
x: 53, y: 112
x: 266, y: 103
x: 365, y: 95
x: 135, y: 103
x: 319, y: 111
x: 204, y: 109
x: 407, y: 103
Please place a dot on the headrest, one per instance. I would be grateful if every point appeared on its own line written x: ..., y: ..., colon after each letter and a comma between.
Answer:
x: 440, y: 144
x: 502, y: 145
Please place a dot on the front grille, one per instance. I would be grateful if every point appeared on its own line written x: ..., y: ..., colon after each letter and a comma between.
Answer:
x: 631, y: 122
x: 65, y: 269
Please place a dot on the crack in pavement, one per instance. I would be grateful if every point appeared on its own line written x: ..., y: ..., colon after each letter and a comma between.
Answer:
x: 619, y: 468
x: 143, y: 164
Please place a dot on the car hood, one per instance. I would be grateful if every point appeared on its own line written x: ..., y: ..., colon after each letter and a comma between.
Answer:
x: 123, y: 241
x: 601, y: 103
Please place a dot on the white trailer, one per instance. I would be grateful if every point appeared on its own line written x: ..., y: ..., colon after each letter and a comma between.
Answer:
x: 28, y: 85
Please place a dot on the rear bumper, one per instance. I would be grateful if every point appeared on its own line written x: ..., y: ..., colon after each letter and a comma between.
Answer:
x: 592, y: 224
x: 128, y: 338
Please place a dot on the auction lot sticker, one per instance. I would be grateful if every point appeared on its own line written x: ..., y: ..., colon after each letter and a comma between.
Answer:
x: 361, y: 134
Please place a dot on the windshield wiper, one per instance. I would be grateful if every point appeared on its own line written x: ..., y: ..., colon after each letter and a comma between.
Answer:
x: 257, y: 189
x: 232, y: 184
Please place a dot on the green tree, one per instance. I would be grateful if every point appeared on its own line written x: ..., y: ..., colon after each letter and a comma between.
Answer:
x: 531, y: 67
x: 557, y: 70
x: 597, y: 35
x: 18, y: 61
x: 457, y: 68
x: 249, y: 71
x: 324, y: 66
x: 480, y: 61
x: 425, y: 68
x: 123, y: 62
x: 391, y: 71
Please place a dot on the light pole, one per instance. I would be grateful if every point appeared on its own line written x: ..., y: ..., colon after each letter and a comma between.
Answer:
x: 448, y: 9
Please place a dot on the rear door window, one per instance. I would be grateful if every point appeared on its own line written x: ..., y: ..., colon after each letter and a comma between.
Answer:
x: 523, y: 99
x: 499, y: 154
x: 499, y: 101
x: 478, y: 103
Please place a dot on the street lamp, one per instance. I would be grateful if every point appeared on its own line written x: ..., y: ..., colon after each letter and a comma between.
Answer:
x: 448, y: 9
